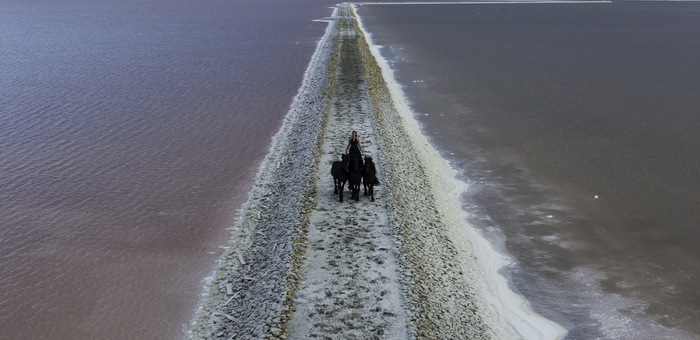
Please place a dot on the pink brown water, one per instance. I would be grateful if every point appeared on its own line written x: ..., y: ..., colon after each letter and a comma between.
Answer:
x: 130, y: 133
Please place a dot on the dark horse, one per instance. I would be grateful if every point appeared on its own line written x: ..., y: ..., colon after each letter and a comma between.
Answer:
x: 369, y: 176
x: 339, y: 170
x: 355, y: 175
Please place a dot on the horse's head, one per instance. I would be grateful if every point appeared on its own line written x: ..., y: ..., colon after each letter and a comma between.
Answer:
x: 344, y: 160
x: 368, y: 163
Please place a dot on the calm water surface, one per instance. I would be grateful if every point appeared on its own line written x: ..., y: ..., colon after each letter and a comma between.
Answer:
x: 577, y: 127
x: 129, y: 134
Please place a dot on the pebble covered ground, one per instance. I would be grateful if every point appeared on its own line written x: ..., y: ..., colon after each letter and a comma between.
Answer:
x: 349, y: 285
x: 301, y: 265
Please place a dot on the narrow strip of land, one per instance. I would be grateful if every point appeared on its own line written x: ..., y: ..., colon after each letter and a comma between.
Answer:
x: 302, y: 265
x: 349, y: 286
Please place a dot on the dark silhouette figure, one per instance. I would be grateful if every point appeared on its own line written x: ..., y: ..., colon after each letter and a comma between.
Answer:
x: 369, y: 177
x: 339, y: 170
x: 355, y: 175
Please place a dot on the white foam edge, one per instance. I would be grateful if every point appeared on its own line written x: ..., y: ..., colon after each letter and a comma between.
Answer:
x: 278, y: 137
x: 509, y: 312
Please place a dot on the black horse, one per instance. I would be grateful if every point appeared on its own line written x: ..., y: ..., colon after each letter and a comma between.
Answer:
x: 339, y: 170
x: 369, y: 176
x: 355, y: 175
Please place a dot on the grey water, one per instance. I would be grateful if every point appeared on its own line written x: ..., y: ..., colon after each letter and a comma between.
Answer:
x: 130, y: 132
x: 576, y: 127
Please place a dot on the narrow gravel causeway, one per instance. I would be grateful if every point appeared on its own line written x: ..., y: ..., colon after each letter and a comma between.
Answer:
x: 349, y: 287
x: 302, y: 265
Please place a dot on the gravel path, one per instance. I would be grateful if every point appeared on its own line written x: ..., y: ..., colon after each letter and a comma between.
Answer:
x: 349, y: 287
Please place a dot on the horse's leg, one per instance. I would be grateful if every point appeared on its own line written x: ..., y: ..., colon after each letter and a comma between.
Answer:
x: 335, y: 185
x: 342, y: 186
x: 371, y: 191
x: 365, y: 186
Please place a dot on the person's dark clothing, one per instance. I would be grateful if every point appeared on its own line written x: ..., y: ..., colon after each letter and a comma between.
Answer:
x: 354, y: 148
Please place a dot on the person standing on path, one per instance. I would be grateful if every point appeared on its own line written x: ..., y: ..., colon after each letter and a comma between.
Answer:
x: 354, y: 146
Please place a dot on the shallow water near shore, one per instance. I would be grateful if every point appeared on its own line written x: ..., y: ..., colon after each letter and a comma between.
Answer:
x: 574, y: 125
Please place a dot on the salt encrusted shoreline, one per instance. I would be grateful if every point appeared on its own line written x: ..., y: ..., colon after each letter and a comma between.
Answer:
x: 507, y: 314
x: 442, y: 302
x: 252, y: 294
